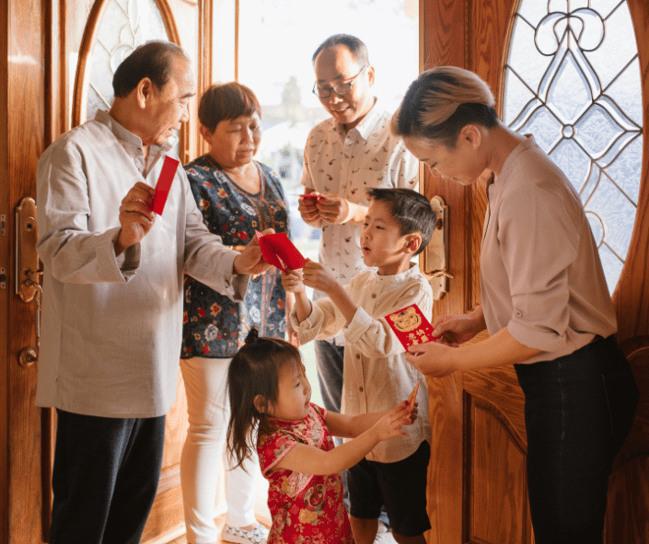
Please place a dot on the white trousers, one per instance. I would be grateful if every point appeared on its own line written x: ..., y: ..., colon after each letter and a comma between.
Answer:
x: 209, y: 410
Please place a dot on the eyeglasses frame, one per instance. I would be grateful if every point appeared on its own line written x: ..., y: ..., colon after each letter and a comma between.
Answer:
x: 349, y: 81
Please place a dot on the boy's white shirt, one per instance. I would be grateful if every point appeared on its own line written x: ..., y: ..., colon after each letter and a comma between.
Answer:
x: 376, y: 375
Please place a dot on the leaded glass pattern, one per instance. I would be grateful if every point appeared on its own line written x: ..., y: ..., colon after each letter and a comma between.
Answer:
x: 572, y: 79
x: 124, y: 25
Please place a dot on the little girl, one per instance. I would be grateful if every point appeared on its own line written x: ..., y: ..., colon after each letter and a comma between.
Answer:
x: 270, y: 397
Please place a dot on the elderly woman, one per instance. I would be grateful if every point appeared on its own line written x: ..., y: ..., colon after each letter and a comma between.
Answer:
x: 237, y: 196
x: 545, y: 302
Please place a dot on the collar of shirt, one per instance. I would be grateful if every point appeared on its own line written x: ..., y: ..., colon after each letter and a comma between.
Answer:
x: 366, y: 126
x: 132, y: 143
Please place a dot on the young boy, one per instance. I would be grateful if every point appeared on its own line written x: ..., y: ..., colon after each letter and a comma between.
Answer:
x: 398, y: 226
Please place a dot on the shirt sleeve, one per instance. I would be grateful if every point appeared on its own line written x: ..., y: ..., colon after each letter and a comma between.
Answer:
x: 539, y: 240
x: 406, y: 168
x: 66, y: 246
x: 373, y: 336
x: 325, y: 321
x: 273, y: 448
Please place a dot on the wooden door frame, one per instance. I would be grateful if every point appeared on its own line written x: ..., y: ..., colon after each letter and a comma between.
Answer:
x: 22, y: 95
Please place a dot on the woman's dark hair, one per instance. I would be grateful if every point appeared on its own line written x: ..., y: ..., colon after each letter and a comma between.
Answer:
x: 410, y: 209
x: 254, y: 371
x: 440, y: 102
x: 226, y: 101
x: 153, y: 60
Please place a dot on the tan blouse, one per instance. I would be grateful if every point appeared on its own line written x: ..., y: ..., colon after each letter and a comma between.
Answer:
x: 541, y: 275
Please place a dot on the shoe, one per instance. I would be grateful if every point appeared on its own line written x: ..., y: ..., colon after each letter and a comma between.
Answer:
x: 258, y: 534
x: 384, y: 536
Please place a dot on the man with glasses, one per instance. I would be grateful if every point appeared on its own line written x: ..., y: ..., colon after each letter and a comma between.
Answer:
x: 344, y: 155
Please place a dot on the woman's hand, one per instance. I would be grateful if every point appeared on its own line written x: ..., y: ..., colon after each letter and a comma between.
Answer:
x: 432, y: 359
x: 459, y: 328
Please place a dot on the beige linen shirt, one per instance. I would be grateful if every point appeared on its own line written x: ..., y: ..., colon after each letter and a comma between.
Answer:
x: 346, y: 163
x: 541, y: 275
x: 111, y: 326
x: 376, y: 374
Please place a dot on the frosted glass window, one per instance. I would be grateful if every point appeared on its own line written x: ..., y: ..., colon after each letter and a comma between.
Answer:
x: 124, y: 25
x: 572, y: 79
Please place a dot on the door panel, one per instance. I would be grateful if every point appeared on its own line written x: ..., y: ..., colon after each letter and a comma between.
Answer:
x: 42, y: 84
x: 487, y: 455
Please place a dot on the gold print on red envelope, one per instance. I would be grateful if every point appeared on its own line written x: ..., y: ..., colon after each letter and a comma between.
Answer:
x: 411, y: 326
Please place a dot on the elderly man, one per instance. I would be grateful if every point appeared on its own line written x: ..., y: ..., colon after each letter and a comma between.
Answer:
x: 344, y: 155
x: 112, y: 296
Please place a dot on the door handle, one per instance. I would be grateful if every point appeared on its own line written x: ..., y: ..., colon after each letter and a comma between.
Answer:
x: 28, y: 273
x: 436, y: 253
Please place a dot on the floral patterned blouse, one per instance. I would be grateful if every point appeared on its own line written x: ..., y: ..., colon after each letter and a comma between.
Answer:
x: 213, y: 325
x: 306, y: 509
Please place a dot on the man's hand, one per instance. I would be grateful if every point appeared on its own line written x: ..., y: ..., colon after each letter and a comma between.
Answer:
x: 250, y: 260
x: 335, y: 210
x: 309, y: 211
x: 135, y: 216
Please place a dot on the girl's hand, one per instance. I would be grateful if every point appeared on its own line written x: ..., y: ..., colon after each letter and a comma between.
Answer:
x: 316, y: 275
x: 432, y: 359
x: 390, y: 424
x: 292, y: 281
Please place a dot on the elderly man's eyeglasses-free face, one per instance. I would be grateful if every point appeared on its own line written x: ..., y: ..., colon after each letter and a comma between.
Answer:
x: 340, y: 89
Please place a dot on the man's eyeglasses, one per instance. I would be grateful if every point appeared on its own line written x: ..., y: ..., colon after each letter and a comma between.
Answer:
x: 340, y: 88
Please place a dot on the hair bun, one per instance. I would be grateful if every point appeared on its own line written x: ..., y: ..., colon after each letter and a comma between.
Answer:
x: 253, y: 336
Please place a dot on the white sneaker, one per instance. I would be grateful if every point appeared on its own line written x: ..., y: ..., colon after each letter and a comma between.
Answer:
x: 258, y: 534
x: 384, y: 536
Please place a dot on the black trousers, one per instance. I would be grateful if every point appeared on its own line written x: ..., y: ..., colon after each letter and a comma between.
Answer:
x: 105, y: 477
x: 578, y: 411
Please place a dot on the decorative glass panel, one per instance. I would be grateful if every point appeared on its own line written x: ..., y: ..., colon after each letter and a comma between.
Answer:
x: 124, y: 25
x: 572, y: 80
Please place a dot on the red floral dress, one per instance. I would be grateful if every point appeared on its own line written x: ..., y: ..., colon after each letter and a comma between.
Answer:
x: 306, y: 509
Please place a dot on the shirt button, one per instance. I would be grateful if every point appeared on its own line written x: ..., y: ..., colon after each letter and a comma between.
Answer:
x: 518, y: 313
x: 360, y: 389
x: 358, y: 355
x: 373, y: 295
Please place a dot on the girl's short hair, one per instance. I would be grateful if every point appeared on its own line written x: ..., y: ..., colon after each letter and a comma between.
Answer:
x: 254, y: 371
x: 440, y: 102
x: 226, y: 101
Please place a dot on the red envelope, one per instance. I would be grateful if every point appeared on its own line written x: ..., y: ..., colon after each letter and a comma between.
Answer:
x: 279, y: 251
x: 411, y: 326
x: 164, y: 184
x: 311, y: 195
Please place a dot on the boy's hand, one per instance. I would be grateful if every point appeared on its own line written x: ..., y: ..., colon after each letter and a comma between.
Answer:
x: 315, y: 275
x: 390, y: 424
x: 292, y: 281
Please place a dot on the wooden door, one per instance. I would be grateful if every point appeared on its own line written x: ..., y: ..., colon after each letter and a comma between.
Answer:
x: 477, y: 484
x: 47, y: 55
